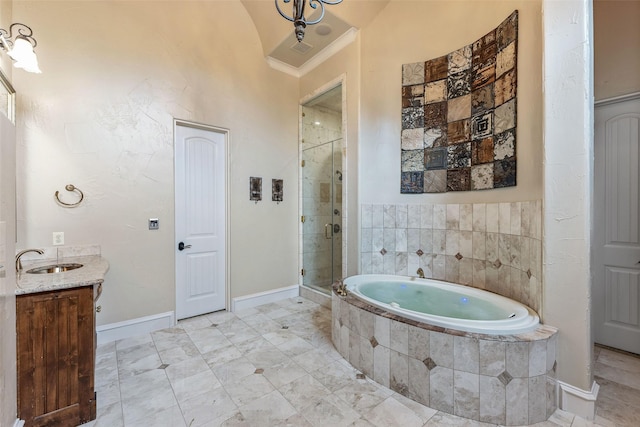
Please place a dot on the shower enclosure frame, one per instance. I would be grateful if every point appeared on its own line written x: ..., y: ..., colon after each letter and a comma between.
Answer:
x: 338, y: 82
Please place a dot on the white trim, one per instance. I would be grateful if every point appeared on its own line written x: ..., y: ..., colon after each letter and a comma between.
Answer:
x: 617, y: 99
x: 278, y: 65
x: 130, y: 328
x: 334, y: 47
x: 578, y: 401
x: 266, y: 297
x: 337, y: 45
x: 332, y: 84
x: 18, y: 423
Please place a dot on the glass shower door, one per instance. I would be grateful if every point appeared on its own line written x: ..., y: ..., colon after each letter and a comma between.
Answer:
x: 322, y: 211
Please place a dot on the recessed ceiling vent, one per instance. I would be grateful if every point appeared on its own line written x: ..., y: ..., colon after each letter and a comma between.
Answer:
x: 301, y: 47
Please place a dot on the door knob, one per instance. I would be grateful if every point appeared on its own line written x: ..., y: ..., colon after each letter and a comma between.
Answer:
x: 182, y: 246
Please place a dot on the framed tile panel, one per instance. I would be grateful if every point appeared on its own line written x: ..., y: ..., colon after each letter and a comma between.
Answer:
x: 459, y: 116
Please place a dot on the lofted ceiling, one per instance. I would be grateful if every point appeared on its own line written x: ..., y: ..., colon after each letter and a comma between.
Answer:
x: 278, y: 39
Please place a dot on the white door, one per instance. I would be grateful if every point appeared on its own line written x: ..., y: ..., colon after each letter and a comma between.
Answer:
x: 200, y: 184
x: 616, y: 249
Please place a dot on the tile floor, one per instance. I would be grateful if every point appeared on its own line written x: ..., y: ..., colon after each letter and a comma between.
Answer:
x: 618, y: 375
x: 274, y: 365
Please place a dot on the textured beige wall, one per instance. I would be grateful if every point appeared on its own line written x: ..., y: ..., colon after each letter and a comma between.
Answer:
x: 616, y: 39
x: 100, y: 116
x: 568, y: 178
x: 409, y: 31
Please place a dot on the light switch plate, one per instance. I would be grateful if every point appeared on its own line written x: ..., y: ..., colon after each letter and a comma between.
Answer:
x: 58, y: 238
x: 154, y: 224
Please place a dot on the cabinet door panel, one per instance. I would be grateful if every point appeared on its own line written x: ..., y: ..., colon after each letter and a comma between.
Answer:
x: 56, y: 357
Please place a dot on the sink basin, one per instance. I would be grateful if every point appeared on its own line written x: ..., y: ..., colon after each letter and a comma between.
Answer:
x: 55, y: 268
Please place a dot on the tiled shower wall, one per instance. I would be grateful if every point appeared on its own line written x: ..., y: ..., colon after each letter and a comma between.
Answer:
x: 320, y: 125
x: 492, y: 246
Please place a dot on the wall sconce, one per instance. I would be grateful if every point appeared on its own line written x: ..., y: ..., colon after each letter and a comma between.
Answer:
x: 298, y: 18
x: 20, y: 47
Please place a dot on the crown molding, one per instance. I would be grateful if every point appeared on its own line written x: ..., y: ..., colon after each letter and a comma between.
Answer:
x: 337, y: 45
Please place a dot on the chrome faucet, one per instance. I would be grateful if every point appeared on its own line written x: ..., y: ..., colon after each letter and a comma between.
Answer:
x: 420, y: 273
x: 19, y: 263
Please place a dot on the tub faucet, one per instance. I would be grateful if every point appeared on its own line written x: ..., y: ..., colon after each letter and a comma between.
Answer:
x: 420, y: 273
x: 342, y: 289
x: 19, y: 263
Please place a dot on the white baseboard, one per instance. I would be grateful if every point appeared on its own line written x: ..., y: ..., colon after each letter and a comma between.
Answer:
x: 274, y: 295
x: 133, y: 327
x: 578, y: 401
x: 18, y: 423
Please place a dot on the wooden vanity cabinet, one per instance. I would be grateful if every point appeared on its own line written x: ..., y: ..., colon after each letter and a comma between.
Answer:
x: 56, y: 357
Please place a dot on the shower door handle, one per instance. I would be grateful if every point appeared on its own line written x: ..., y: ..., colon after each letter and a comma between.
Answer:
x: 328, y: 228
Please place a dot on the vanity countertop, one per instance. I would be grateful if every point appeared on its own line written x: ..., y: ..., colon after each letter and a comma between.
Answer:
x: 92, y: 272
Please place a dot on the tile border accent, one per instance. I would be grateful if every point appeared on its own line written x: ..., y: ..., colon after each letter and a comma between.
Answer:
x: 491, y: 246
x: 506, y: 380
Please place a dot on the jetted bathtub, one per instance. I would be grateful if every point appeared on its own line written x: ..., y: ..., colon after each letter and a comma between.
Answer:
x: 444, y: 304
x: 453, y: 348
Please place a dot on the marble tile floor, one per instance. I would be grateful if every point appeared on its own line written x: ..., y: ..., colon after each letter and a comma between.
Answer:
x: 618, y: 375
x: 275, y: 365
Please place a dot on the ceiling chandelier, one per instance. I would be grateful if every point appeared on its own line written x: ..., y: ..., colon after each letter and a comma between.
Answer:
x: 297, y: 17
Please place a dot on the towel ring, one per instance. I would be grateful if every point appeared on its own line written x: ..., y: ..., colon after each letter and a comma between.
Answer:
x: 70, y: 187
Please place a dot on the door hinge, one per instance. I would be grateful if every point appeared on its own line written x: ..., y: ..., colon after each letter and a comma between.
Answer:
x: 302, y: 163
x: 303, y: 219
x: 302, y: 272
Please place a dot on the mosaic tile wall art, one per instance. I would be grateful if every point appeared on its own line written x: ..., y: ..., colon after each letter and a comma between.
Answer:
x: 459, y: 116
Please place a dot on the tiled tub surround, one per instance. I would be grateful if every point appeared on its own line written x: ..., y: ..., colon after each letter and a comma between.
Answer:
x: 498, y: 379
x: 492, y: 246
